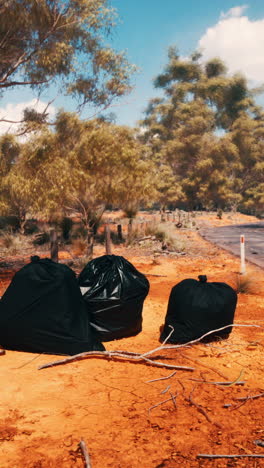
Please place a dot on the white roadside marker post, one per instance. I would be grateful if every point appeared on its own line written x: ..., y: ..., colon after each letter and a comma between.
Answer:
x: 242, y: 255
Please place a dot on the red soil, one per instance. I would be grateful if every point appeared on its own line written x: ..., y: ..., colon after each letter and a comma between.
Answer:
x: 110, y: 404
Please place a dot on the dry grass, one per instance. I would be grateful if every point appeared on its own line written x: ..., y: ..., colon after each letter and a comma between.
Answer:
x: 79, y: 246
x: 245, y: 284
x: 13, y: 244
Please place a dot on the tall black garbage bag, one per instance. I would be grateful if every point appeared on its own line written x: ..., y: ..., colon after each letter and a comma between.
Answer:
x: 114, y: 292
x: 197, y: 307
x: 42, y: 311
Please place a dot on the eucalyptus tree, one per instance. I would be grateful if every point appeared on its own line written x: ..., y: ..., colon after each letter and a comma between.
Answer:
x: 15, y: 187
x: 248, y: 136
x: 83, y: 166
x: 191, y: 130
x: 61, y: 43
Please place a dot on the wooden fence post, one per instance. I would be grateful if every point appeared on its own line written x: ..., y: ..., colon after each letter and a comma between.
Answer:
x: 129, y: 230
x: 54, y: 248
x: 119, y: 232
x: 108, y: 249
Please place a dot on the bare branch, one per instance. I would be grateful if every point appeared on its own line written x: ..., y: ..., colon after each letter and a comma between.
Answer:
x: 251, y: 397
x: 162, y: 378
x: 200, y: 408
x: 113, y: 354
x: 199, y: 339
x: 161, y: 403
x: 21, y: 83
x: 85, y: 453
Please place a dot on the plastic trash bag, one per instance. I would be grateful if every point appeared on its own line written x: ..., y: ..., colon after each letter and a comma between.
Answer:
x: 197, y: 307
x: 114, y: 292
x: 42, y: 311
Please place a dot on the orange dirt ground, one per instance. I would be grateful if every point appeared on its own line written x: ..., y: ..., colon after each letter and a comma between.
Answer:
x: 114, y: 406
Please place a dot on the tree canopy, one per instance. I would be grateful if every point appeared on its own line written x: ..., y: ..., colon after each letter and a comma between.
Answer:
x: 78, y: 169
x: 62, y: 42
x: 206, y: 133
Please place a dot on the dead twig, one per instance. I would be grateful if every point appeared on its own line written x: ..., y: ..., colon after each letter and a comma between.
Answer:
x: 161, y: 403
x: 174, y: 399
x: 224, y: 384
x: 165, y: 390
x: 85, y: 454
x: 162, y: 378
x: 203, y: 365
x: 204, y: 455
x: 249, y: 397
x: 172, y: 346
x: 200, y: 408
x: 243, y: 400
x: 113, y: 354
x: 143, y: 357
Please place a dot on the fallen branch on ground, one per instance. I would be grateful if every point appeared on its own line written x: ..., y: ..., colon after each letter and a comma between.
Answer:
x: 203, y: 365
x: 253, y: 397
x: 223, y: 384
x: 200, y: 408
x: 162, y: 378
x: 85, y: 453
x: 114, y: 354
x: 243, y: 400
x: 142, y: 357
x: 172, y: 398
x: 176, y: 346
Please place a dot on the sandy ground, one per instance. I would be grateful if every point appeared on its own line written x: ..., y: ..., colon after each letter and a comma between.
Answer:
x: 119, y: 408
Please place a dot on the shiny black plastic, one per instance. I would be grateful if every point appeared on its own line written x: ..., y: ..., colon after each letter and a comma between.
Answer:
x: 197, y: 307
x: 114, y: 292
x: 42, y: 311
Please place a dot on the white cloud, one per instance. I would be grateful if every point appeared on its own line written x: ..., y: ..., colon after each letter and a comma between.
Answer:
x: 239, y: 42
x: 14, y: 112
x: 234, y: 12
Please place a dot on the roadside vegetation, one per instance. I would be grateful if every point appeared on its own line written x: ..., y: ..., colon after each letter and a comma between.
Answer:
x: 199, y: 147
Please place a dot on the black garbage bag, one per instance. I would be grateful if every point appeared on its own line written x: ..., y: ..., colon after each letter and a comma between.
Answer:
x: 114, y: 292
x: 42, y: 311
x: 197, y: 307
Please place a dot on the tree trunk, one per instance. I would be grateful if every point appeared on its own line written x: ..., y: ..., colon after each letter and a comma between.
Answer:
x: 90, y: 243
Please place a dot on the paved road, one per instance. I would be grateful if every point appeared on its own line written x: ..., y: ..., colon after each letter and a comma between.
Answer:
x: 228, y: 237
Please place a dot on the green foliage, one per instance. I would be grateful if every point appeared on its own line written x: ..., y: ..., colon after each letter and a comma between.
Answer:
x: 61, y: 43
x: 78, y: 170
x: 196, y: 166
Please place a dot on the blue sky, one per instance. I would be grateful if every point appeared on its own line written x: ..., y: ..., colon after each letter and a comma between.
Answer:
x: 232, y: 30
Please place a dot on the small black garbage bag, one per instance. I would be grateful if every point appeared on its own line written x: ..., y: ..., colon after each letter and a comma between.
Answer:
x: 42, y: 311
x: 114, y: 292
x: 197, y: 307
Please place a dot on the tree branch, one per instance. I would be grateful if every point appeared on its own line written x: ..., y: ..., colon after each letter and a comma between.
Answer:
x: 114, y: 354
